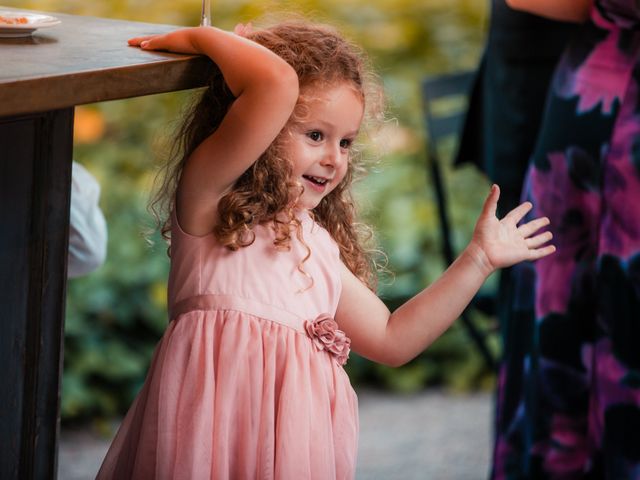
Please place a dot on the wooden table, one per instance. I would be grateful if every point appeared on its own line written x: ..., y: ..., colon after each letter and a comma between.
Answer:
x: 82, y: 60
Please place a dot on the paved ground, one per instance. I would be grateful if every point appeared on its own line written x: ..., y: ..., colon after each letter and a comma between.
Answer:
x: 431, y: 435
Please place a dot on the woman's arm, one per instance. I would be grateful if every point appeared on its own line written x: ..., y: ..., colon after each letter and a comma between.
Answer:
x: 396, y: 338
x: 266, y: 91
x: 561, y: 10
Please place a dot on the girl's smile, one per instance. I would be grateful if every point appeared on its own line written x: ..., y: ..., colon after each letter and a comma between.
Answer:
x: 319, y: 184
x: 320, y: 145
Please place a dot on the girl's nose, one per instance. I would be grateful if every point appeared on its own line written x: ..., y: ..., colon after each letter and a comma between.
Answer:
x: 331, y: 156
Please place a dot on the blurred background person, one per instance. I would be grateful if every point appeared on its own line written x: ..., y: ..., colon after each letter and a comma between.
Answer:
x: 501, y: 127
x: 571, y: 408
x: 508, y: 96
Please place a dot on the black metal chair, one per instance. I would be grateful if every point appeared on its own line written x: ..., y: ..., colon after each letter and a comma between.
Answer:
x: 445, y: 103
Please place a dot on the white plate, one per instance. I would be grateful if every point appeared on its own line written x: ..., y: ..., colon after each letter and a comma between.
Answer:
x: 33, y: 22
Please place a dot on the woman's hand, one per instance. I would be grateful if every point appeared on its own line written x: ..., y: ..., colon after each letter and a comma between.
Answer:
x: 180, y: 41
x: 502, y: 243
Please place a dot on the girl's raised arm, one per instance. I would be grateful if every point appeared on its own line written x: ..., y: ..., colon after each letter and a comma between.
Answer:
x: 266, y: 91
x: 396, y: 338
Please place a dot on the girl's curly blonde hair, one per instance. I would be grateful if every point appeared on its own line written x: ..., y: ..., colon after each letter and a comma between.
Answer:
x: 266, y: 192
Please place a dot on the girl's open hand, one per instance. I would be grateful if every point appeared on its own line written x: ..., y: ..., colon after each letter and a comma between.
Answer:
x: 180, y: 41
x: 502, y: 243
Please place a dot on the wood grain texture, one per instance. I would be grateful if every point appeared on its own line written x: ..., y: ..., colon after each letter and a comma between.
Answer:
x: 86, y: 60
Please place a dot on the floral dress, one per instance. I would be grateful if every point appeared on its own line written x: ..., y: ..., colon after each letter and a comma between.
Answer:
x: 569, y: 386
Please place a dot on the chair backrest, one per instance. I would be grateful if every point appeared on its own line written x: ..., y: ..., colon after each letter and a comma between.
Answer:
x: 445, y: 103
x: 445, y: 100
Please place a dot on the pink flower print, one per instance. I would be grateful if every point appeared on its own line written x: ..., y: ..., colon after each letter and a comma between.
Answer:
x: 574, y: 213
x: 568, y: 452
x: 603, y: 77
x: 609, y: 374
x: 325, y: 335
x: 620, y: 230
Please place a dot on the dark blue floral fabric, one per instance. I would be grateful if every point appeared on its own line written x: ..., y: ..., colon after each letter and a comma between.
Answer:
x: 568, y: 403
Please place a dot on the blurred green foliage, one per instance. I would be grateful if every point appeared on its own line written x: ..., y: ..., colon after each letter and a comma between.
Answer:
x: 116, y: 315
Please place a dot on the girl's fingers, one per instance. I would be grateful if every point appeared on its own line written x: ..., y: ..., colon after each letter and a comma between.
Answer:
x: 541, y: 252
x: 146, y: 41
x: 138, y: 40
x: 539, y: 240
x: 517, y: 214
x: 533, y: 226
x: 491, y: 203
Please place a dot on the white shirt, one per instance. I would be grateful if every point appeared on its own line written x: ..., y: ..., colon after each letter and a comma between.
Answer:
x: 88, y: 228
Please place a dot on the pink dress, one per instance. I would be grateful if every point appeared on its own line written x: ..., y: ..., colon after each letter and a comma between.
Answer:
x: 239, y: 388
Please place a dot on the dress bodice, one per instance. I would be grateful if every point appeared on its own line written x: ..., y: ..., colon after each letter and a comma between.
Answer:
x: 259, y: 278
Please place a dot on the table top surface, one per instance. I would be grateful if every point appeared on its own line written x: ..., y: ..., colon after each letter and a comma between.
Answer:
x: 86, y: 60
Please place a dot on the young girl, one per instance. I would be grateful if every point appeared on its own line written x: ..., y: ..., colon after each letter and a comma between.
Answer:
x: 269, y: 285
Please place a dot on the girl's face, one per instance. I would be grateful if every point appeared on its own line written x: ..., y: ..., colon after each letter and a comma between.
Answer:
x: 320, y: 145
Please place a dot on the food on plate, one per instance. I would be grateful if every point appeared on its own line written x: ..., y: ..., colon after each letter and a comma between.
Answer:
x: 13, y: 20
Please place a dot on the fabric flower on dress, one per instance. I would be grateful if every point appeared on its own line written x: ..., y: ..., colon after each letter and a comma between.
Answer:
x: 325, y: 335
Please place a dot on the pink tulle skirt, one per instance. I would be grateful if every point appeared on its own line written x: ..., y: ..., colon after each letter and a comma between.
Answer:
x: 233, y: 396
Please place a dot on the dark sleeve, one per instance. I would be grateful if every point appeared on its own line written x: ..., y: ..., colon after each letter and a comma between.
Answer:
x: 508, y: 96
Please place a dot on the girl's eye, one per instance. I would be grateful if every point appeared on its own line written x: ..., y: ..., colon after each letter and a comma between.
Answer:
x: 345, y: 143
x: 315, y: 135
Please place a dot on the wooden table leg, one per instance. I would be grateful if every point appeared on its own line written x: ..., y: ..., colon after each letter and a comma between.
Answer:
x: 35, y: 186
